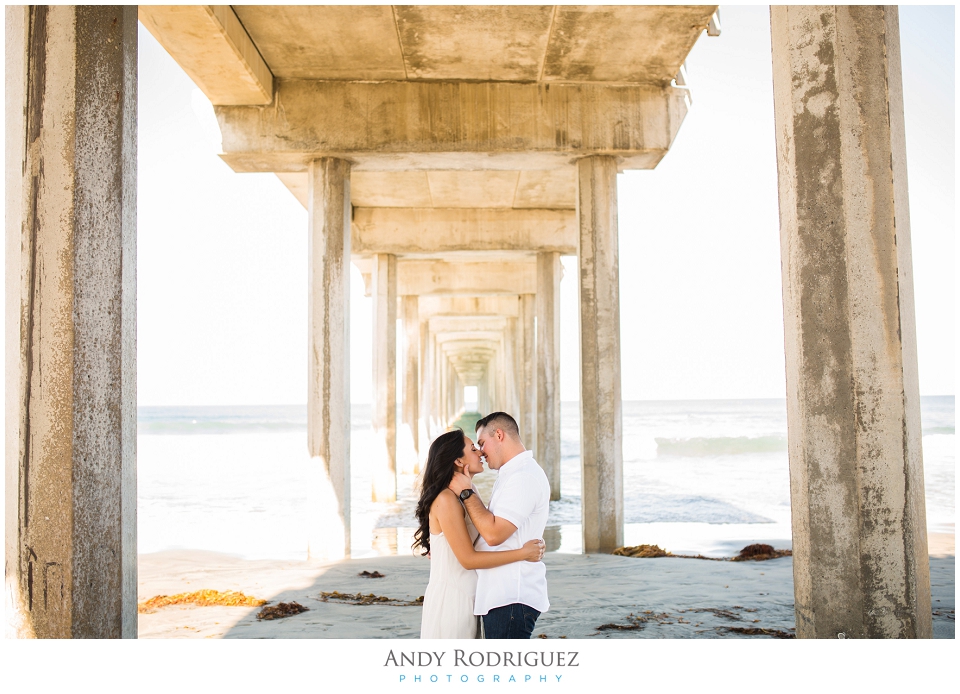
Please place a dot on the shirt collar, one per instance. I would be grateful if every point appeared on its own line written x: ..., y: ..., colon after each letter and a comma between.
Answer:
x: 516, y: 462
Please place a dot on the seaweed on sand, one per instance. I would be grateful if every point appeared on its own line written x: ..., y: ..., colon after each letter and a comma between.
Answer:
x: 642, y: 552
x: 635, y: 622
x: 370, y: 574
x: 760, y: 552
x: 758, y: 631
x: 283, y: 609
x: 368, y: 599
x: 201, y: 598
x: 755, y: 552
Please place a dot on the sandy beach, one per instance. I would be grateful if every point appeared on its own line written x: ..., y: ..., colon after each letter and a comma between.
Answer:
x: 667, y: 597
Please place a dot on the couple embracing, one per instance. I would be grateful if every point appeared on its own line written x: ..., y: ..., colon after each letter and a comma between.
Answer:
x: 487, y: 579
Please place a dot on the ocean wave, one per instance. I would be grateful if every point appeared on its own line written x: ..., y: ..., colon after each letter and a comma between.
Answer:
x: 721, y: 445
x: 930, y: 431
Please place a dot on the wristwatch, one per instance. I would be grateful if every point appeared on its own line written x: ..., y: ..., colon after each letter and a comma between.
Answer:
x: 466, y: 494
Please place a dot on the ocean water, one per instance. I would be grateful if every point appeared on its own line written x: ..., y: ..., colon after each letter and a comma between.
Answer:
x: 699, y: 476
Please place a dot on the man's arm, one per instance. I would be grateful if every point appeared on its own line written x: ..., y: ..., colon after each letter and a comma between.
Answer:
x: 492, y: 529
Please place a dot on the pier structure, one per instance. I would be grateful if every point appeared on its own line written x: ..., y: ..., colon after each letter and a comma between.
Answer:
x: 454, y: 153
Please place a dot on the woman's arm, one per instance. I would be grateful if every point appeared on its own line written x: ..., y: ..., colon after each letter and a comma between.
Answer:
x: 454, y: 527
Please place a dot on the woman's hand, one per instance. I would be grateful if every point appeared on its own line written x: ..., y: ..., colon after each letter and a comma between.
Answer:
x: 534, y: 550
x: 460, y: 482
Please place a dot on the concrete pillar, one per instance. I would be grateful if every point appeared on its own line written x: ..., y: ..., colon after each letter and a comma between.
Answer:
x: 411, y: 381
x: 451, y: 393
x: 856, y: 472
x: 458, y: 393
x: 601, y: 428
x: 548, y: 368
x: 425, y: 386
x: 442, y: 420
x: 71, y: 417
x: 436, y: 362
x: 328, y: 392
x: 384, y: 290
x: 511, y: 345
x: 483, y: 396
x: 528, y: 363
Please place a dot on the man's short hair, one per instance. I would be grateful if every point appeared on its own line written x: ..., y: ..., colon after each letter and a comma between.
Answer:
x: 500, y: 420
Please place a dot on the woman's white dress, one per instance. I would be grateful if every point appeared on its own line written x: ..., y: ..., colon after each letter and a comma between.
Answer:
x: 448, y: 600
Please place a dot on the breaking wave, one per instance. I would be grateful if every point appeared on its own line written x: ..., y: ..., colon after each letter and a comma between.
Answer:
x: 721, y: 445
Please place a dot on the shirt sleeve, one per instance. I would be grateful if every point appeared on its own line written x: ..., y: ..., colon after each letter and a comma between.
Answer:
x: 515, y: 503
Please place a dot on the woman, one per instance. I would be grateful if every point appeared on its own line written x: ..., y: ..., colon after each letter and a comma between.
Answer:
x: 447, y: 534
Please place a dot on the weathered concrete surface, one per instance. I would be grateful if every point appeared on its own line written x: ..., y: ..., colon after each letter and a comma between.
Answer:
x: 71, y: 141
x: 438, y: 231
x: 860, y: 545
x: 549, y: 271
x: 384, y: 478
x: 328, y: 389
x: 214, y: 49
x: 601, y: 425
x: 451, y: 125
x: 497, y: 42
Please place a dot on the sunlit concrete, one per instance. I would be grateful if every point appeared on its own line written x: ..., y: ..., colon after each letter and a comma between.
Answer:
x: 214, y: 49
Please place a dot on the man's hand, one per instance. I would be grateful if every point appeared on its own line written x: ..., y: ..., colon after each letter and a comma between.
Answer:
x: 460, y: 482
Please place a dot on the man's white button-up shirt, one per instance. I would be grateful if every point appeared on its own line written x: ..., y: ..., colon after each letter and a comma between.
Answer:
x: 520, y: 495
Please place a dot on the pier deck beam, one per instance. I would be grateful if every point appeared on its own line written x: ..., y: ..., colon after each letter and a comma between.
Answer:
x: 853, y: 406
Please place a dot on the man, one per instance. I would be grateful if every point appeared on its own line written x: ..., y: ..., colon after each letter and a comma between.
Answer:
x: 510, y: 597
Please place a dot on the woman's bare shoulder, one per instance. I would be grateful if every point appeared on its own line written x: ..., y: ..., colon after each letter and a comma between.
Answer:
x: 445, y: 500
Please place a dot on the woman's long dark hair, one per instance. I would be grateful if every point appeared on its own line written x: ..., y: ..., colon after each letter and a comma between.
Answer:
x: 437, y: 474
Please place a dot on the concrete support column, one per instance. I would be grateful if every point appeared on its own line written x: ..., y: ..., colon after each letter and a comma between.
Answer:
x: 436, y: 361
x: 511, y: 345
x: 601, y: 428
x: 856, y: 472
x: 483, y: 395
x: 442, y: 421
x: 548, y: 368
x: 458, y: 394
x: 328, y: 394
x: 71, y: 399
x: 452, y: 393
x: 411, y: 381
x: 528, y: 365
x: 426, y: 386
x: 384, y: 291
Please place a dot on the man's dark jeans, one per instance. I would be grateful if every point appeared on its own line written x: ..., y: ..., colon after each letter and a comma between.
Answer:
x: 514, y: 621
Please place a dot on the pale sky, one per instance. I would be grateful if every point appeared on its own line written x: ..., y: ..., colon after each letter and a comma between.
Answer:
x: 222, y: 266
